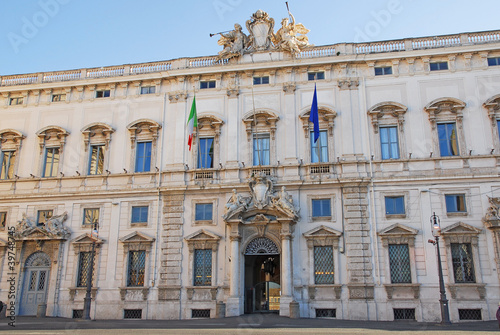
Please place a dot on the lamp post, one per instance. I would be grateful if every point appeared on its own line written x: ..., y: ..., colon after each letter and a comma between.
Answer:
x: 436, y: 230
x: 88, y: 299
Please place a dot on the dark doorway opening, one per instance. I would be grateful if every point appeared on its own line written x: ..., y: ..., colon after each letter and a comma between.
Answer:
x: 262, y: 283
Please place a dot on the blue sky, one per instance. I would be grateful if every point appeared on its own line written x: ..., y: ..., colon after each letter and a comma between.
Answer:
x: 50, y: 35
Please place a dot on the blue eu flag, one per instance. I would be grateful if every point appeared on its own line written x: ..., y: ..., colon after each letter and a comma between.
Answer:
x: 313, y: 116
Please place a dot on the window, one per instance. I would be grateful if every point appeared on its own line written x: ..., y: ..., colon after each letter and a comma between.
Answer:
x: 143, y: 157
x: 202, y: 267
x: 315, y: 76
x: 455, y: 203
x: 203, y: 212
x: 463, y: 266
x: 58, y: 97
x: 399, y: 263
x: 43, y: 216
x: 136, y: 268
x: 448, y: 143
x: 389, y: 142
x: 261, y: 80
x: 261, y: 149
x: 207, y: 84
x: 16, y: 101
x: 84, y: 259
x: 139, y: 214
x: 321, y: 208
x: 439, y: 66
x: 323, y: 265
x: 90, y: 216
x: 382, y: 71
x: 3, y: 220
x: 7, y: 161
x: 51, y: 166
x: 96, y: 163
x: 394, y: 205
x: 148, y: 90
x: 494, y: 61
x: 206, y: 153
x: 319, y: 148
x: 102, y: 94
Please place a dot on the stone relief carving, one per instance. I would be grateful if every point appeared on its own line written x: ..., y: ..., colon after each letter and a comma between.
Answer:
x: 235, y: 204
x: 291, y: 37
x: 53, y: 228
x: 493, y: 213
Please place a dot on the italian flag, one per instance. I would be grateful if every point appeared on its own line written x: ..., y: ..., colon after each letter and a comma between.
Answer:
x: 192, y: 122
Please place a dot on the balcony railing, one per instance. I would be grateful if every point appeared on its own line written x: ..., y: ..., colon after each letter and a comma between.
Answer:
x: 209, y: 61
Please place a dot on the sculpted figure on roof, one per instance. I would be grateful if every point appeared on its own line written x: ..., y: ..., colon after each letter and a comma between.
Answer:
x: 291, y: 36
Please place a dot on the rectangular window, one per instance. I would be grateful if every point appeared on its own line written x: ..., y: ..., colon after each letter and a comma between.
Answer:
x: 389, y: 142
x: 58, y: 97
x: 84, y: 259
x: 90, y: 216
x: 315, y: 76
x: 320, y: 148
x: 7, y: 162
x: 3, y: 220
x: 16, y: 101
x: 439, y: 66
x: 321, y: 208
x: 203, y: 212
x: 148, y: 90
x: 207, y: 84
x: 136, y: 268
x: 261, y: 80
x: 494, y: 61
x: 448, y: 142
x: 143, y: 157
x: 206, y: 153
x: 463, y: 265
x: 43, y: 216
x: 261, y: 149
x: 383, y: 71
x: 102, y: 94
x: 399, y: 263
x: 202, y: 267
x: 455, y: 203
x: 51, y: 166
x: 139, y: 214
x: 395, y: 205
x: 323, y: 265
x: 96, y: 160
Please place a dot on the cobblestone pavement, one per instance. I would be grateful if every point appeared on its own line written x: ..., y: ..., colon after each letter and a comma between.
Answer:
x: 246, y: 324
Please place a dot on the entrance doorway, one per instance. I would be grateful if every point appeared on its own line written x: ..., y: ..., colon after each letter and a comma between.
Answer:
x: 262, y: 277
x: 35, y: 283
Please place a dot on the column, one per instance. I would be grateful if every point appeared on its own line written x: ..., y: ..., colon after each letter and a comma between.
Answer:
x: 234, y: 305
x: 286, y: 269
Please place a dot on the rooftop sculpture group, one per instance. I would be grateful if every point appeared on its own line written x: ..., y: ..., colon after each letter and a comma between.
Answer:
x: 290, y: 37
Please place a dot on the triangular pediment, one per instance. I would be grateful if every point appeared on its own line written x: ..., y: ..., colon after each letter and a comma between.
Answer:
x: 202, y: 235
x: 322, y: 231
x: 398, y: 229
x: 460, y: 228
x: 137, y: 237
x: 86, y: 239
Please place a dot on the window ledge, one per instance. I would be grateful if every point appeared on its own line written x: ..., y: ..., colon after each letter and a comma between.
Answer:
x: 395, y: 216
x: 391, y: 288
x: 455, y: 214
x: 76, y: 291
x: 190, y: 290
x: 132, y: 290
x: 138, y: 224
x: 337, y: 288
x: 203, y: 222
x: 321, y: 218
x: 457, y: 287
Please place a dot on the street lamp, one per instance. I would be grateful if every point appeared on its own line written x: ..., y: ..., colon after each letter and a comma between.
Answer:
x: 436, y: 231
x: 87, y: 300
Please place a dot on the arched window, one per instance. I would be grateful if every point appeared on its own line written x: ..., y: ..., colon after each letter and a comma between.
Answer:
x: 207, y: 147
x: 51, y: 141
x: 388, y: 127
x: 10, y: 144
x: 321, y: 151
x: 143, y: 140
x: 261, y: 130
x: 493, y: 107
x: 96, y: 138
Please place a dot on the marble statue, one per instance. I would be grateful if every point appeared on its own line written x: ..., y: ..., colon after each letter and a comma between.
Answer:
x: 54, y: 225
x: 288, y: 37
x: 234, y: 205
x: 284, y: 202
x: 234, y: 43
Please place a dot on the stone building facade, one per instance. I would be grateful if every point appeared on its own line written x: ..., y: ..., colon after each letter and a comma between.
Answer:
x: 257, y: 217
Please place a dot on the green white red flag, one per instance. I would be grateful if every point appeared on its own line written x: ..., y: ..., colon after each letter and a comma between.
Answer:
x: 192, y: 123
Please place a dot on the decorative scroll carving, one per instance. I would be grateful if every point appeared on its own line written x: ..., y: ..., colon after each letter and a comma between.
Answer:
x: 38, y: 259
x: 261, y: 246
x: 53, y: 228
x: 261, y: 28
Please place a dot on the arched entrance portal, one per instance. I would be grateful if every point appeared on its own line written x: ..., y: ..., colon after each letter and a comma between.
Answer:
x: 35, y: 283
x: 262, y: 276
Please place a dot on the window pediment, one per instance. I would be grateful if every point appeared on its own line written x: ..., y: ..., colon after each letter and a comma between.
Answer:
x: 261, y: 121
x: 493, y: 107
x: 322, y: 236
x: 202, y: 239
x: 460, y: 233
x: 83, y: 243
x: 209, y: 125
x: 97, y: 133
x: 326, y: 119
x: 444, y: 109
x: 137, y: 241
x: 52, y: 136
x: 387, y: 112
x: 10, y: 139
x: 398, y: 234
x: 144, y: 129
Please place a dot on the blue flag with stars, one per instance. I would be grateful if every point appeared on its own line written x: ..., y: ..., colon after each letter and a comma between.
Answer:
x: 313, y: 116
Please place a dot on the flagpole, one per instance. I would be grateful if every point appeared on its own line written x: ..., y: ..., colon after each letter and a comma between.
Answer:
x: 255, y: 127
x: 197, y: 154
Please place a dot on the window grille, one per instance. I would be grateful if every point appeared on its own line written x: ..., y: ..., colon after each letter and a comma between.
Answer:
x: 318, y: 169
x: 323, y: 265
x: 136, y: 268
x: 132, y: 313
x: 463, y: 266
x: 469, y: 314
x: 84, y: 268
x: 32, y: 281
x: 326, y: 313
x: 399, y: 262
x: 41, y: 281
x: 200, y: 313
x: 202, y: 267
x: 264, y: 171
x: 404, y: 313
x: 77, y: 313
x: 204, y: 175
